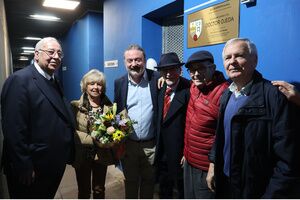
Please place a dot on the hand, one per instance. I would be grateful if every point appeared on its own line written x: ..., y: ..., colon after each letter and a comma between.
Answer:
x: 27, y: 178
x: 160, y: 82
x: 288, y: 90
x: 182, y: 161
x: 210, y: 178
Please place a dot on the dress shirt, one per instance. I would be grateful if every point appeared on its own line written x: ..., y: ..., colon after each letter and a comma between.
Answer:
x: 42, y: 72
x: 243, y: 92
x: 173, y: 90
x: 140, y: 108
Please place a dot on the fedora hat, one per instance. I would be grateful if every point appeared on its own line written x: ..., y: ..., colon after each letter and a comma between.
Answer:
x: 168, y: 60
x: 200, y: 56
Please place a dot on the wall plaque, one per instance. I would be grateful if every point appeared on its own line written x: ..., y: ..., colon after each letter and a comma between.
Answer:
x: 214, y: 25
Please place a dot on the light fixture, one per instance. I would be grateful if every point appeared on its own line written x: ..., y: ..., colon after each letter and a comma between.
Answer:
x: 63, y: 4
x: 32, y: 38
x: 23, y: 58
x: 28, y: 51
x: 45, y: 17
x: 28, y: 48
x: 247, y: 1
x: 24, y: 53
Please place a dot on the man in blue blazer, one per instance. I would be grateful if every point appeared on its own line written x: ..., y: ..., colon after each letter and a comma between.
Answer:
x: 137, y: 92
x: 37, y: 125
x: 171, y: 124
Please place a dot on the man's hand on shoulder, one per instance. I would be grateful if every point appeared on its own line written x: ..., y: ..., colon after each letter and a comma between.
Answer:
x: 160, y: 82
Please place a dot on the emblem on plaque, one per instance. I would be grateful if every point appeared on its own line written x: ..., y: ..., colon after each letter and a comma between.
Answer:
x: 195, y: 29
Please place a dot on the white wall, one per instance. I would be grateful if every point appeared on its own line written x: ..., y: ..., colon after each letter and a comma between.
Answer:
x: 5, y: 70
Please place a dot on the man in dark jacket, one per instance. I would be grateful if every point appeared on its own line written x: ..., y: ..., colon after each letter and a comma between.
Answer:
x: 255, y: 149
x: 172, y: 103
x: 38, y: 126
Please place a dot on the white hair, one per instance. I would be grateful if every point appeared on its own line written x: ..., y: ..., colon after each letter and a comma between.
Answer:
x: 251, y: 46
x: 43, y: 41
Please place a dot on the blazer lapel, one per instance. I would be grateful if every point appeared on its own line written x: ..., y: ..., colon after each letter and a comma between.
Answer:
x: 123, y: 91
x: 153, y: 87
x: 50, y: 93
x: 177, y: 102
x: 160, y: 102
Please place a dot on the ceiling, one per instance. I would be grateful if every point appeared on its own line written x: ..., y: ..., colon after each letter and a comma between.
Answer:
x: 20, y: 25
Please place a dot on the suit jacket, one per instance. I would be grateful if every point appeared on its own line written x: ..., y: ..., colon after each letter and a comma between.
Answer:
x: 121, y: 90
x: 170, y: 130
x: 38, y: 124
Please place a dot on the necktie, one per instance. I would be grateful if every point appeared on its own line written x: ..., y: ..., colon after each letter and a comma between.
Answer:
x: 167, y: 102
x: 52, y: 80
x: 55, y: 85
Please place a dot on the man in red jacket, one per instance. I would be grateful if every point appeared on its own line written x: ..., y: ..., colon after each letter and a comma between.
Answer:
x: 201, y: 121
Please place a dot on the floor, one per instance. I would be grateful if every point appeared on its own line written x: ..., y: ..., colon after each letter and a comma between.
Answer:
x: 68, y: 187
x: 114, y: 186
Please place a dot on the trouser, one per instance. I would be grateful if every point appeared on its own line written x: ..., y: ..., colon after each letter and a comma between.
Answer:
x: 86, y: 171
x: 138, y: 169
x: 168, y: 181
x: 44, y: 186
x: 195, y: 186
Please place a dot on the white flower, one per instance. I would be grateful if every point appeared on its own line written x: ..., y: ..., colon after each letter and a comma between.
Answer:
x: 95, y: 133
x: 110, y: 130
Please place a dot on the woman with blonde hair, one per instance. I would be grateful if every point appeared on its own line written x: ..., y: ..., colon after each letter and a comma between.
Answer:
x: 88, y: 164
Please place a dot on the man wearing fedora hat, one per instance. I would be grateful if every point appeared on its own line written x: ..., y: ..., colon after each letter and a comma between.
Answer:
x: 201, y: 121
x: 172, y: 104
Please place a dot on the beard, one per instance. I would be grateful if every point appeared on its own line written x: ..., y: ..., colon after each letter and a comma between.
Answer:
x: 136, y: 72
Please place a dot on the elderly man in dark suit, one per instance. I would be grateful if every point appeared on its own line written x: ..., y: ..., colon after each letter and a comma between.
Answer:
x: 172, y: 104
x: 37, y: 125
x: 137, y: 92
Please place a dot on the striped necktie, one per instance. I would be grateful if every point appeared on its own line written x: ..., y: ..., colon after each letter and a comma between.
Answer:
x: 167, y: 102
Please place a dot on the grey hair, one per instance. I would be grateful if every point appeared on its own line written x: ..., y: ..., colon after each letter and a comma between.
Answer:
x: 93, y: 75
x: 251, y: 46
x: 43, y: 41
x: 135, y: 47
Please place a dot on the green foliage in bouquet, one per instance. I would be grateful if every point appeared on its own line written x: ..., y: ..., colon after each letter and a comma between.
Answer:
x: 109, y: 128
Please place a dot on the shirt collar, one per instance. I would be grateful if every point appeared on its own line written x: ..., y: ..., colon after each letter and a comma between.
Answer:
x: 245, y: 91
x: 145, y: 78
x: 174, y: 86
x: 42, y: 72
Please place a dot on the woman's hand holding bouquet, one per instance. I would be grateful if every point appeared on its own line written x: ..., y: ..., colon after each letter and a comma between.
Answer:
x: 110, y: 129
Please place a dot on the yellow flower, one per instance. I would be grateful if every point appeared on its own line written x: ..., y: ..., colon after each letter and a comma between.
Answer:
x: 111, y: 116
x: 118, y: 136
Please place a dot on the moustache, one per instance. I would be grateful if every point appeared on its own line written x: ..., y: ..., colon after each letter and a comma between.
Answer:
x: 136, y: 68
x: 237, y: 68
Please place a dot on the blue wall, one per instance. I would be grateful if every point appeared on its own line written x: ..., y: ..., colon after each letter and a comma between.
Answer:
x: 83, y: 49
x: 124, y: 24
x: 151, y: 39
x: 274, y: 27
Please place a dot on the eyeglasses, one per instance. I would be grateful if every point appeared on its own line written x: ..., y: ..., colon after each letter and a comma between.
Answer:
x: 172, y: 69
x: 51, y: 53
x: 200, y: 71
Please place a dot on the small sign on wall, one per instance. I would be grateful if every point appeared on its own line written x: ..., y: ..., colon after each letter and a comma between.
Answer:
x: 111, y: 63
x: 214, y: 25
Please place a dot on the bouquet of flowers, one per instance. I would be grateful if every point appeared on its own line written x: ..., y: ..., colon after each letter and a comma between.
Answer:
x: 109, y: 128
